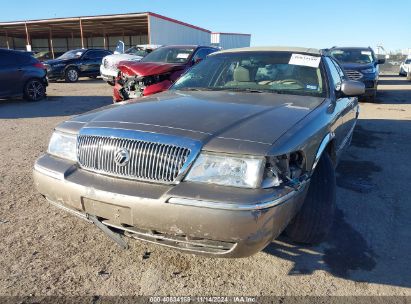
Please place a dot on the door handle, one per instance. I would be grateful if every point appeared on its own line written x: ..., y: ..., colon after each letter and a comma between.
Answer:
x: 20, y: 69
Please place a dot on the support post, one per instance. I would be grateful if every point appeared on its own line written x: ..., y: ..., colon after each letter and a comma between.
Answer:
x: 7, y: 41
x: 81, y: 34
x: 51, y: 42
x: 27, y: 35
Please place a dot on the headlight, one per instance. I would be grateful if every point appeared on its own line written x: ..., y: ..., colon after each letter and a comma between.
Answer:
x: 63, y: 145
x: 368, y: 71
x: 219, y: 169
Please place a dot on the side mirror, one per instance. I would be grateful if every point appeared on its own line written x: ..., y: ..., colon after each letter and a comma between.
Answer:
x: 120, y: 47
x: 352, y: 88
x: 381, y: 61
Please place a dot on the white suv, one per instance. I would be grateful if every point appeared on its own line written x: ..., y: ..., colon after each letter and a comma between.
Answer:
x: 108, y: 67
x: 405, y: 67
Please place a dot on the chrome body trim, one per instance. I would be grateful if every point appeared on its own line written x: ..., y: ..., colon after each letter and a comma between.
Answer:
x: 45, y: 171
x: 321, y: 148
x: 154, y: 157
x: 282, y: 198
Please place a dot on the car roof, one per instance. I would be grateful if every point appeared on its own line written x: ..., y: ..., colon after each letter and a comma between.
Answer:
x: 194, y: 46
x: 351, y: 48
x: 311, y: 51
x: 20, y: 52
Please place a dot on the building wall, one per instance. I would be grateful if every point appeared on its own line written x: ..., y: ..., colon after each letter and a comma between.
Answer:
x: 230, y: 41
x: 168, y: 32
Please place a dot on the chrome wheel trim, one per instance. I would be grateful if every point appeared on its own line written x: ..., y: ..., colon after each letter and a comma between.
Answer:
x: 72, y: 75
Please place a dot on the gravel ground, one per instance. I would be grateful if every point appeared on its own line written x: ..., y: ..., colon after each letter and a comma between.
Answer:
x: 45, y: 251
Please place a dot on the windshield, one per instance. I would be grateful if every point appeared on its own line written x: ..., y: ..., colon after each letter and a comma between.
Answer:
x: 353, y: 56
x: 137, y: 51
x: 169, y: 55
x: 72, y: 54
x: 276, y: 72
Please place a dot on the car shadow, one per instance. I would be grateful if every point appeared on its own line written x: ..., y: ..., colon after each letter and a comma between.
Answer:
x: 368, y: 241
x: 80, y: 80
x: 51, y: 106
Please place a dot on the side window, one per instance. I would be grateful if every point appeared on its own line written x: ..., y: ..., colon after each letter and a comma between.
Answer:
x: 335, y: 76
x: 96, y: 54
x: 201, y: 54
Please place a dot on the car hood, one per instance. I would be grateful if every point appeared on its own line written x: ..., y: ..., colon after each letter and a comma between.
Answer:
x: 357, y: 66
x: 116, y: 58
x: 229, y: 122
x: 149, y: 68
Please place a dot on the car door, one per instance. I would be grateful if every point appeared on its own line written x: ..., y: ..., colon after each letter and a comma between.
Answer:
x: 91, y: 61
x: 342, y: 107
x: 12, y: 67
x: 353, y: 108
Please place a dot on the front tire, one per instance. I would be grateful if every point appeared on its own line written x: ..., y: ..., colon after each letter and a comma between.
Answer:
x: 313, y: 222
x: 71, y: 75
x: 34, y: 90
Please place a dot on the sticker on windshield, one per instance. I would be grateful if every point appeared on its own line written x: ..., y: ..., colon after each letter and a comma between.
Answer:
x: 311, y: 87
x: 183, y: 56
x: 366, y: 53
x: 305, y: 60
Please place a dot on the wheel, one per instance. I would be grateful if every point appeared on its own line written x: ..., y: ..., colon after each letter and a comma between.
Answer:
x: 313, y: 222
x: 71, y: 75
x: 112, y: 83
x: 34, y: 90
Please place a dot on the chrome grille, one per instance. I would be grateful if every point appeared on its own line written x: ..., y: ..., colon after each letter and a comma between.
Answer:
x: 148, y: 161
x: 354, y: 75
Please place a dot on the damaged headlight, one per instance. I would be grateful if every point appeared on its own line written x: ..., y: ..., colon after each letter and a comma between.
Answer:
x: 287, y: 168
x: 63, y: 145
x: 227, y: 170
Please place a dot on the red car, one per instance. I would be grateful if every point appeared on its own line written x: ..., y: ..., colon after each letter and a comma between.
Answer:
x: 157, y: 71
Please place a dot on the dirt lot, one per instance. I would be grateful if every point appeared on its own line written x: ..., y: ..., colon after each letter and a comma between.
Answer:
x: 44, y: 251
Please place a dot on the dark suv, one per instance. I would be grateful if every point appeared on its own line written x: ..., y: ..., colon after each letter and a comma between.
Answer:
x: 21, y: 75
x: 360, y: 63
x: 76, y: 63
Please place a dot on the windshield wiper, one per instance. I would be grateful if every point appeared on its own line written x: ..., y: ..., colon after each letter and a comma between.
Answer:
x: 248, y: 90
x: 196, y: 89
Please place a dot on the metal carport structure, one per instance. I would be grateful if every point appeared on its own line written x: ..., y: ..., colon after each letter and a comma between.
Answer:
x: 61, y: 34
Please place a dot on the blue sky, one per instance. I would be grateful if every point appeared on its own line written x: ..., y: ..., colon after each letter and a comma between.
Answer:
x: 312, y: 23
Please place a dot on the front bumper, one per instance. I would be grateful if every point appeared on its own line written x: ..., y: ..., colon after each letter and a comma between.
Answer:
x: 231, y: 222
x: 108, y: 74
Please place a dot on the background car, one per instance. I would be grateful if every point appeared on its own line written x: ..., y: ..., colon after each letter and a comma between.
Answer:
x: 21, y: 75
x: 157, y: 71
x: 360, y: 63
x: 76, y: 63
x: 108, y: 68
x: 405, y: 67
x: 46, y: 55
